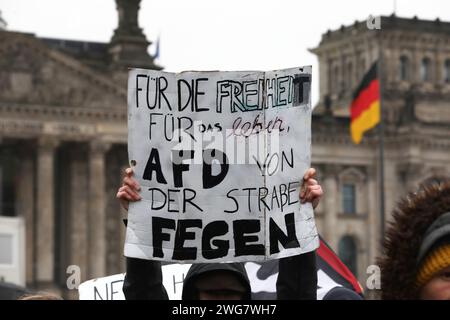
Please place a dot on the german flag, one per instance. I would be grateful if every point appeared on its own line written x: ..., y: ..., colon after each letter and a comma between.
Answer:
x: 365, y: 107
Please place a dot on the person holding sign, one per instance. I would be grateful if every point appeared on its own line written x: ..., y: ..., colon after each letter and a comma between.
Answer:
x: 225, y: 281
x: 219, y: 157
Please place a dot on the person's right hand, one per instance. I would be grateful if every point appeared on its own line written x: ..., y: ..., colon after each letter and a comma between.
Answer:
x: 129, y: 189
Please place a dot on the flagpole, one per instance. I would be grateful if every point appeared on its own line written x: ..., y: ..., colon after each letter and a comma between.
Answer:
x: 381, y: 139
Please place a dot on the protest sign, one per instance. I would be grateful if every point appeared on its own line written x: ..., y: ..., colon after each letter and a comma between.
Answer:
x: 220, y: 158
x: 262, y: 277
x: 105, y: 288
x: 110, y: 288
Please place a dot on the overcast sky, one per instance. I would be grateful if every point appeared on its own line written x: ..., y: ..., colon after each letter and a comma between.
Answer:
x: 215, y: 35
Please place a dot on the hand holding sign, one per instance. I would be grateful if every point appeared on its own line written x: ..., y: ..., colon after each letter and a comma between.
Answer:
x: 129, y: 191
x: 311, y: 189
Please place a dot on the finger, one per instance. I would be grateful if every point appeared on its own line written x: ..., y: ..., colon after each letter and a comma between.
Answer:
x: 311, y: 193
x: 121, y: 189
x: 307, y: 197
x: 133, y: 194
x: 126, y: 193
x: 312, y: 182
x: 314, y: 191
x: 314, y: 187
x: 119, y: 194
x: 132, y: 183
x: 303, y: 196
x: 123, y: 200
x: 123, y: 195
x: 308, y: 178
x: 310, y: 173
x: 302, y: 192
x: 129, y: 194
x: 129, y: 172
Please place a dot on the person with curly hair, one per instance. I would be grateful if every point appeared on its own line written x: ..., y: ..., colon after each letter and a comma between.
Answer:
x: 416, y: 259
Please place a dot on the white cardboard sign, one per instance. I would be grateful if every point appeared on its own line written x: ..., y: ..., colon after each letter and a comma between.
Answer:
x: 110, y: 288
x: 220, y: 158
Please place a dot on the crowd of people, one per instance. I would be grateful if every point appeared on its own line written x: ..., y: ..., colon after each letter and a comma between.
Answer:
x: 414, y: 262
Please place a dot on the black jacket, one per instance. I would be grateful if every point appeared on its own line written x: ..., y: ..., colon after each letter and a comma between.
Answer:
x: 297, y: 279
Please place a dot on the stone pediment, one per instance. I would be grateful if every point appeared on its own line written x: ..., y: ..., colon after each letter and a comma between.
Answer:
x: 33, y: 73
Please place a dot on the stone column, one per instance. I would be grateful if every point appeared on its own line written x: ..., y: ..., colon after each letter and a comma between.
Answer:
x: 354, y: 76
x: 415, y: 65
x: 438, y: 75
x: 97, y: 215
x: 331, y: 204
x: 341, y: 73
x: 324, y: 68
x: 45, y: 212
x: 374, y: 234
x: 25, y: 208
x: 114, y: 224
x: 79, y: 221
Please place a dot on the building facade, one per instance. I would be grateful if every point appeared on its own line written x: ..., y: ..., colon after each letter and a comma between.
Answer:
x: 63, y: 138
x: 415, y: 77
x: 63, y: 144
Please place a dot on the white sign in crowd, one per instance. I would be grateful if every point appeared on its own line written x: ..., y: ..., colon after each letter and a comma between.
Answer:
x: 220, y: 158
x: 110, y: 288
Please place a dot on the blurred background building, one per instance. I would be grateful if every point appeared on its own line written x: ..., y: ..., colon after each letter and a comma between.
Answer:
x: 63, y: 135
x: 416, y: 111
x: 63, y: 144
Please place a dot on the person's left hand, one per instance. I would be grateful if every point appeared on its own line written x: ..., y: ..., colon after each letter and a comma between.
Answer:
x: 311, y: 191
